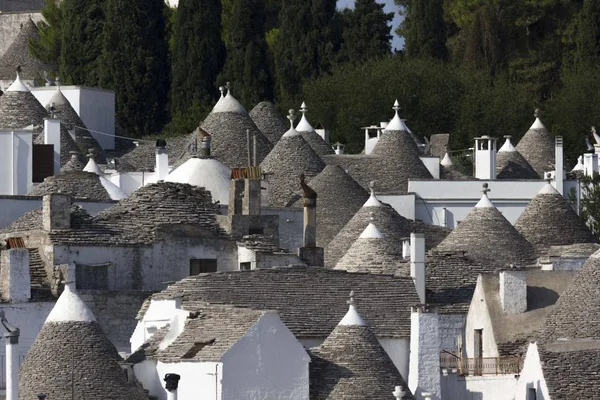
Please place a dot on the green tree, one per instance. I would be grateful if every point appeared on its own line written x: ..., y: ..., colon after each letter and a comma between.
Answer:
x: 247, y: 61
x: 589, y: 203
x: 366, y: 33
x: 306, y: 44
x: 81, y: 41
x: 588, y: 33
x: 135, y: 63
x: 198, y: 57
x: 423, y: 28
x: 48, y: 47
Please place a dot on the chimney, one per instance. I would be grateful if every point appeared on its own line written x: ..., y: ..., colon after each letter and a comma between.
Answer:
x: 590, y: 163
x: 171, y: 384
x: 52, y: 136
x: 236, y: 193
x: 406, y: 248
x: 11, y: 337
x: 252, y: 197
x: 424, y: 365
x: 417, y: 264
x: 338, y: 148
x: 485, y: 157
x: 162, y: 160
x: 205, y: 147
x: 558, y: 164
x: 56, y: 211
x: 16, y: 281
x: 513, y: 291
x: 309, y: 252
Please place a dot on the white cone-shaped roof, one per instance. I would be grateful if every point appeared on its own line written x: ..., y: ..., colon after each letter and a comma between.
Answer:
x: 396, y: 124
x: 204, y: 172
x: 92, y: 166
x: 113, y: 190
x: 484, y: 202
x: 373, y: 201
x: 229, y: 104
x: 18, y: 86
x: 446, y: 161
x: 547, y: 189
x: 352, y: 317
x: 371, y: 232
x: 291, y: 132
x: 507, y: 146
x: 304, y: 125
x: 70, y: 308
x: 579, y: 166
x: 537, y: 124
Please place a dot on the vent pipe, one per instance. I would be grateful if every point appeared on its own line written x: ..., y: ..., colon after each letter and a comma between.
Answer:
x: 205, y: 147
x: 171, y: 384
x: 558, y: 164
x: 11, y: 337
x: 162, y: 160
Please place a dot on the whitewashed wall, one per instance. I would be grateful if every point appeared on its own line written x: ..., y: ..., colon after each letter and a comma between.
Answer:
x: 16, y: 159
x: 199, y: 381
x: 501, y: 387
x: 158, y: 314
x: 266, y: 363
x: 479, y: 318
x: 532, y: 376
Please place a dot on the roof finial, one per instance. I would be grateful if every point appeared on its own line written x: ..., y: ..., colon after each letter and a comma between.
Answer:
x: 291, y: 116
x: 371, y: 216
x: 537, y: 112
x: 396, y: 106
x: 222, y: 90
x: 485, y: 189
x: 351, y: 302
x: 548, y: 177
x: 593, y: 130
x: 399, y: 393
x: 57, y: 81
x: 372, y: 187
x: 229, y: 86
x: 303, y: 108
x: 53, y: 110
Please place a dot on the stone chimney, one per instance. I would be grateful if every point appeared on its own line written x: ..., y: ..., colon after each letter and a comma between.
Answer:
x: 513, y: 291
x: 485, y: 157
x: 424, y: 367
x: 52, y: 136
x: 338, y: 148
x: 56, y: 211
x: 558, y: 164
x: 171, y: 384
x: 309, y: 252
x: 205, y: 147
x: 16, y: 280
x: 417, y: 264
x: 162, y: 160
x: 252, y: 197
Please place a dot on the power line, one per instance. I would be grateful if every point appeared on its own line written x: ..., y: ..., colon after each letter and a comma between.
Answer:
x: 113, y: 135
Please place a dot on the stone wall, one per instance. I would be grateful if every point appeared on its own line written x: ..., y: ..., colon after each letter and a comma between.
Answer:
x: 451, y: 327
x: 10, y: 24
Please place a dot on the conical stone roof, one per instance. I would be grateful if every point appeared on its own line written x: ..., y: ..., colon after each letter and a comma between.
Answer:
x: 487, y: 237
x: 339, y: 198
x: 72, y: 358
x: 18, y: 54
x: 549, y: 220
x: 270, y: 122
x: 69, y: 118
x: 290, y: 157
x: 68, y: 147
x: 318, y: 144
x: 393, y: 226
x: 19, y: 108
x: 227, y: 125
x: 374, y: 253
x: 79, y: 184
x: 510, y: 164
x: 576, y: 311
x: 351, y: 364
x: 537, y: 147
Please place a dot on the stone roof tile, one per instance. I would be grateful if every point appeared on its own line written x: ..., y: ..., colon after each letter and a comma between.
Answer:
x: 79, y: 184
x: 18, y: 54
x: 270, y: 122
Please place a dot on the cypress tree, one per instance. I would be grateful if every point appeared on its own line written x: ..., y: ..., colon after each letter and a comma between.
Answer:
x: 48, y: 47
x: 135, y: 63
x: 588, y: 35
x: 198, y: 56
x: 305, y: 47
x: 81, y: 41
x: 247, y: 63
x: 366, y: 33
x: 424, y: 29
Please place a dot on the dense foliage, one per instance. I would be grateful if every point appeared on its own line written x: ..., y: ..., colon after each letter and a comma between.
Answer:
x: 48, y: 47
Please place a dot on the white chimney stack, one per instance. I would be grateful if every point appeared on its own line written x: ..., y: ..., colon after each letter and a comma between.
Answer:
x: 171, y: 384
x: 424, y: 367
x: 485, y: 157
x: 590, y: 163
x: 558, y: 164
x: 52, y: 136
x: 417, y: 263
x: 406, y: 248
x: 513, y: 291
x: 162, y: 160
x: 15, y: 277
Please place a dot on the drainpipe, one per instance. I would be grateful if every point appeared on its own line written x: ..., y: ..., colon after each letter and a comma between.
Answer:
x: 11, y: 336
x: 172, y: 383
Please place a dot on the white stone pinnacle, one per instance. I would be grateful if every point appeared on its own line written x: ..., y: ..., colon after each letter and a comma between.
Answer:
x: 352, y: 317
x: 484, y: 202
x: 371, y: 232
x: 17, y: 85
x: 70, y: 308
x: 537, y: 124
x: 372, y: 201
x: 507, y: 146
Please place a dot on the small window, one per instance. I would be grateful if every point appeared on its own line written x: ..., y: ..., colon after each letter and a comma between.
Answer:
x: 245, y: 266
x: 91, y: 277
x: 531, y: 394
x: 201, y: 266
x: 256, y: 231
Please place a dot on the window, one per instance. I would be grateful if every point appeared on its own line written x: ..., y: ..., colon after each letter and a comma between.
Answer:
x: 531, y: 394
x: 245, y: 266
x: 203, y: 265
x: 256, y: 231
x: 91, y: 277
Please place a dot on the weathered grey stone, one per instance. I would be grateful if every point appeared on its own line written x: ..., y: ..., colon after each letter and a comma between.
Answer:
x: 270, y: 122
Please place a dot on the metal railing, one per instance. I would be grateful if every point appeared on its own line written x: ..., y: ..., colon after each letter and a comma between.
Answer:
x: 3, y: 370
x: 480, y: 366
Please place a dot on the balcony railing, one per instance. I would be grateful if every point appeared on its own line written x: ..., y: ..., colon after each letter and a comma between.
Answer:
x: 480, y: 366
